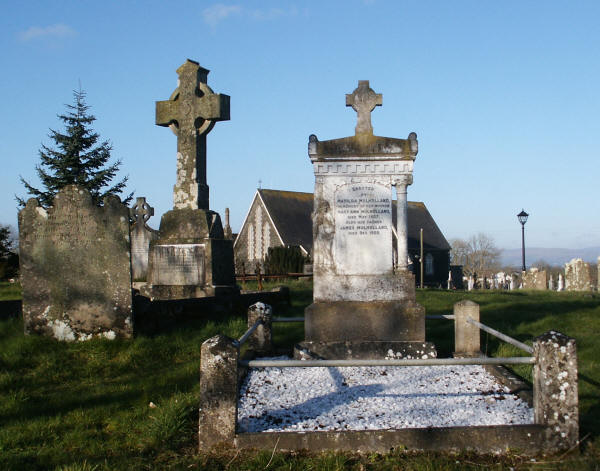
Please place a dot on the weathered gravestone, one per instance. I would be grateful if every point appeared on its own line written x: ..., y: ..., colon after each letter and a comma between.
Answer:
x: 535, y: 279
x: 141, y: 237
x: 578, y: 276
x: 75, y: 267
x: 363, y: 305
x: 191, y: 258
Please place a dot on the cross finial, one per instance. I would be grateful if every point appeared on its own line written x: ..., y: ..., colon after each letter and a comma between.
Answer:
x: 141, y: 211
x: 363, y: 100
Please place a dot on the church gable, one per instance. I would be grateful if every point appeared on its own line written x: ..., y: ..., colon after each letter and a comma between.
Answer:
x: 256, y: 236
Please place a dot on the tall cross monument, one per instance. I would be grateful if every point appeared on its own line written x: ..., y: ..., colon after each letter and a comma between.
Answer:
x: 191, y: 257
x: 191, y: 112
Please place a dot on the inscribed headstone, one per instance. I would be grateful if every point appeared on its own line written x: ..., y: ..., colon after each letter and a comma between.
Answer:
x: 75, y: 267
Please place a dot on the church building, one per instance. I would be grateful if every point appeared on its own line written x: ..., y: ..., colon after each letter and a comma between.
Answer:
x: 283, y: 218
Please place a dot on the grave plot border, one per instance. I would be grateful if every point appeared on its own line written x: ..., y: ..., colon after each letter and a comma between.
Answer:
x: 555, y: 395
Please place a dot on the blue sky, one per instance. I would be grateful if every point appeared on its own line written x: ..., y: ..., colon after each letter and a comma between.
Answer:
x: 504, y: 97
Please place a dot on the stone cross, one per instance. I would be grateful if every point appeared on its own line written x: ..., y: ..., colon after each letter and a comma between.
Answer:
x: 141, y: 211
x: 191, y: 112
x: 363, y: 100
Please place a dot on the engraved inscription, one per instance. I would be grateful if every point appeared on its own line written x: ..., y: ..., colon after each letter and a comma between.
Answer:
x: 363, y: 221
x: 179, y: 264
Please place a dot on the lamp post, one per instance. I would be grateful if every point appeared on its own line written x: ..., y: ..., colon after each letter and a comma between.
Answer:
x: 522, y: 216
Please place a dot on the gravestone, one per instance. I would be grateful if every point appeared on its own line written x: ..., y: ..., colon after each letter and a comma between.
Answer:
x: 535, y: 279
x: 561, y: 284
x: 578, y: 276
x: 141, y: 237
x: 191, y: 257
x: 75, y: 267
x: 363, y: 305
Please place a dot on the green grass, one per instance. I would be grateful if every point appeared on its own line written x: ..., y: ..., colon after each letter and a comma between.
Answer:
x: 9, y: 291
x: 86, y: 406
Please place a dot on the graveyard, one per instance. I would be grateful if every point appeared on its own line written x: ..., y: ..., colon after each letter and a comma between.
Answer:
x: 130, y: 353
x: 102, y: 404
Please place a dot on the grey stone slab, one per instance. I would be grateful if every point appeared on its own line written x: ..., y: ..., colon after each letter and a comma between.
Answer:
x: 75, y: 267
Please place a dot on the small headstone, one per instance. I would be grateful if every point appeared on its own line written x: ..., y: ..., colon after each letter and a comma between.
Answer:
x: 512, y: 283
x: 75, y: 267
x: 535, y: 279
x: 561, y: 283
x: 141, y: 237
x: 470, y: 283
x: 578, y: 276
x: 551, y: 283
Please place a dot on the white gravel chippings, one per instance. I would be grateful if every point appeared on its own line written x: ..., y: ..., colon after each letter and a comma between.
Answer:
x: 372, y: 398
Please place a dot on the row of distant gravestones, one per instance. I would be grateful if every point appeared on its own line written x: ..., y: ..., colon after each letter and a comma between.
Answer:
x: 578, y: 277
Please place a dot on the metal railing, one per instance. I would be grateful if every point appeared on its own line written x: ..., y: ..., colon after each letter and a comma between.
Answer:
x: 500, y: 335
x: 406, y: 362
x: 248, y: 333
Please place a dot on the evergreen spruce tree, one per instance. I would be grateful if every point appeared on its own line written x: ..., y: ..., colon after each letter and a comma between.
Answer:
x: 76, y: 158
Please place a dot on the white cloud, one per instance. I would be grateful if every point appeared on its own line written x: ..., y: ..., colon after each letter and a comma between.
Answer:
x: 58, y: 30
x: 218, y: 12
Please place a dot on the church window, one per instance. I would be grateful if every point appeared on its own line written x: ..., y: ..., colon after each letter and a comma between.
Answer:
x: 429, y: 264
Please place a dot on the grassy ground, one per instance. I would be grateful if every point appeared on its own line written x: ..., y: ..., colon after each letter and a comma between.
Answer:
x: 131, y: 404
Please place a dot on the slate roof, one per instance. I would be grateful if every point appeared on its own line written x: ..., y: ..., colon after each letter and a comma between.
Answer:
x: 291, y: 214
x: 418, y: 217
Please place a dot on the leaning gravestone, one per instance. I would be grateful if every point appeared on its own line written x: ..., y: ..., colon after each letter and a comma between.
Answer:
x: 363, y: 305
x: 578, y: 276
x: 141, y: 237
x: 191, y: 258
x: 75, y: 267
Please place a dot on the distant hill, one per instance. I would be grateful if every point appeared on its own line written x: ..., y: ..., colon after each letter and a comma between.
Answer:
x: 550, y: 256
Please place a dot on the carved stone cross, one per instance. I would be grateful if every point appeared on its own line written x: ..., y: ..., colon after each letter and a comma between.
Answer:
x: 363, y: 100
x: 141, y: 211
x: 191, y: 112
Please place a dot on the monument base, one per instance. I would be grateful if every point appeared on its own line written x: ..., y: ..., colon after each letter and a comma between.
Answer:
x: 191, y: 258
x: 174, y: 292
x: 364, y: 350
x: 365, y: 329
x: 364, y: 321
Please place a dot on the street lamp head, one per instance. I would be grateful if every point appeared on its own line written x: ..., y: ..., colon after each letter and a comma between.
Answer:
x: 522, y: 217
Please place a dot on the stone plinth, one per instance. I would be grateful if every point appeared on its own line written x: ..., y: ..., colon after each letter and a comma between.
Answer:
x: 555, y: 387
x: 191, y: 259
x: 360, y: 296
x: 75, y: 267
x: 218, y: 392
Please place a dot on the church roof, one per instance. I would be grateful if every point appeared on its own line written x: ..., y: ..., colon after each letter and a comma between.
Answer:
x: 419, y: 217
x: 291, y: 211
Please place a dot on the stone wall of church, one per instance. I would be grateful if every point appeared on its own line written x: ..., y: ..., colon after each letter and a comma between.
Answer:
x: 254, y: 239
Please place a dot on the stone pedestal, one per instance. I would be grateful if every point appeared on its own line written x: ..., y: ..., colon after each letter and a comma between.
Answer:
x: 364, y: 306
x: 191, y: 259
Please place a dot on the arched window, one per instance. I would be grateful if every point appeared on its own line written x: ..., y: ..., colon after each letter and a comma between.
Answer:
x: 250, y: 242
x: 429, y: 264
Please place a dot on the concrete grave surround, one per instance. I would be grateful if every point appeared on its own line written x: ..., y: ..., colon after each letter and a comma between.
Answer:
x: 578, y: 276
x: 141, y: 237
x: 192, y: 256
x: 75, y: 267
x: 360, y: 296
